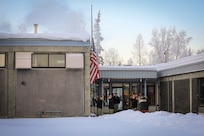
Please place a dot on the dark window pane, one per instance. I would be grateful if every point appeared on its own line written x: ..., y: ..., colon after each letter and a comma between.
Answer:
x: 40, y: 60
x: 56, y: 60
x: 151, y: 95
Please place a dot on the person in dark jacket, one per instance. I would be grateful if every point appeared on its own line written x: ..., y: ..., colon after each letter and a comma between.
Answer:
x: 116, y: 101
x: 93, y: 104
x: 111, y: 104
x: 99, y: 103
x: 133, y: 99
x: 143, y: 104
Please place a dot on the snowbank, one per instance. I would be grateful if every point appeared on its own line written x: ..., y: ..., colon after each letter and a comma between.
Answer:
x: 125, y: 123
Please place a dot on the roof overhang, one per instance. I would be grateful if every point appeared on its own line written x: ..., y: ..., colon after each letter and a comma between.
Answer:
x: 127, y: 72
x: 185, y: 65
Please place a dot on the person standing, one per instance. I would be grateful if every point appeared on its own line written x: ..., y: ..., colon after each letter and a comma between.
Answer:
x: 133, y: 99
x: 99, y: 103
x: 116, y: 101
x: 111, y: 104
x: 93, y: 104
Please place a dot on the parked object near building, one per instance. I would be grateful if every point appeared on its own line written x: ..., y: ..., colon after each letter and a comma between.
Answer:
x: 143, y: 104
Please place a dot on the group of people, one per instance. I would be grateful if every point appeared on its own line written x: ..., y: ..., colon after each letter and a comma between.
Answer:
x: 140, y: 103
x: 137, y: 103
x: 114, y: 101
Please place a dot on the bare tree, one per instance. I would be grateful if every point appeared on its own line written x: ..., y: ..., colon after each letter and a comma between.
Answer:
x: 130, y: 62
x: 139, y: 52
x: 112, y: 57
x: 22, y: 28
x: 168, y: 45
x: 200, y: 51
x: 180, y: 45
x: 98, y: 38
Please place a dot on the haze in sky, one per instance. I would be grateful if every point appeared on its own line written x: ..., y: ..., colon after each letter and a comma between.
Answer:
x: 121, y: 20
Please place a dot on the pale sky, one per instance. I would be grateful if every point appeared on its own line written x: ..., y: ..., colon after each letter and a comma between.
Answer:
x: 121, y: 20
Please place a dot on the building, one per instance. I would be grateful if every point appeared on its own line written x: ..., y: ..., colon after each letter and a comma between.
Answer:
x: 176, y: 86
x: 181, y: 85
x: 44, y: 75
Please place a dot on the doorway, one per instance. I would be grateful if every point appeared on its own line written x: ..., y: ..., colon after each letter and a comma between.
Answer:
x: 119, y: 91
x: 122, y: 89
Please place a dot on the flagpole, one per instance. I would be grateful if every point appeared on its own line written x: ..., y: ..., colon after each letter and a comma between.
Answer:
x: 92, y: 86
x: 94, y: 70
x: 91, y: 26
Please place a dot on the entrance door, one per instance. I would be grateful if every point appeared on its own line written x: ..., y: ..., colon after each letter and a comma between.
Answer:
x: 126, y: 96
x: 122, y: 89
x: 119, y: 91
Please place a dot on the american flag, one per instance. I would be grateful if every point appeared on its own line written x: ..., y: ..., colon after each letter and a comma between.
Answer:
x: 94, y: 71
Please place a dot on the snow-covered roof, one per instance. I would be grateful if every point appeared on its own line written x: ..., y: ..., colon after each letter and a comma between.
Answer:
x: 49, y: 36
x: 181, y: 66
x: 181, y: 62
x: 185, y: 65
x: 42, y: 39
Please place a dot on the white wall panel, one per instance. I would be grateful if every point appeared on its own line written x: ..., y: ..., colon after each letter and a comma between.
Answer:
x: 23, y: 60
x: 74, y: 60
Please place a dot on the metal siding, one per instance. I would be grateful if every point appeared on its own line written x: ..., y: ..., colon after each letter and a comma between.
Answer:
x: 122, y: 74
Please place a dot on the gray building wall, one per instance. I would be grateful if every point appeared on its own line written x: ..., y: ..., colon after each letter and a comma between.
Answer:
x: 195, y: 95
x: 165, y: 95
x: 183, y: 89
x: 49, y: 90
x: 26, y: 92
x: 3, y: 94
x: 182, y: 96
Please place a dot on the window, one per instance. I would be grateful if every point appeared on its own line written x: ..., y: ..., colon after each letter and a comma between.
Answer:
x: 151, y: 94
x: 201, y: 92
x: 2, y: 60
x: 48, y: 60
x: 56, y: 60
x: 40, y: 60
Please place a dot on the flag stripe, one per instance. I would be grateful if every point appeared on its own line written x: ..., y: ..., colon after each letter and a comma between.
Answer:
x: 94, y: 71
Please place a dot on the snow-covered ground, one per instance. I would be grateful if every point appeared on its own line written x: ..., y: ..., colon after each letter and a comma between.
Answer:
x: 125, y: 123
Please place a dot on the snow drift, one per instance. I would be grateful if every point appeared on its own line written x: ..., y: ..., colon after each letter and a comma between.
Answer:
x: 125, y: 123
